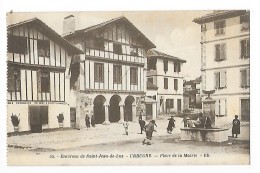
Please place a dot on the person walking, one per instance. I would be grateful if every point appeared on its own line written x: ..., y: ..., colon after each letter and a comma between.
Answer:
x: 185, y: 121
x: 236, y: 127
x: 149, y: 129
x: 126, y: 124
x: 142, y: 125
x: 93, y: 121
x: 87, y: 120
x: 171, y: 125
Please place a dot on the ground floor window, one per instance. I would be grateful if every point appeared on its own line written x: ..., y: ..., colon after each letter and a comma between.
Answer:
x: 245, y: 109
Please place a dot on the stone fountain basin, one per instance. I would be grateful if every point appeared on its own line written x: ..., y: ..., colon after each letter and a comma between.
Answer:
x: 204, y: 135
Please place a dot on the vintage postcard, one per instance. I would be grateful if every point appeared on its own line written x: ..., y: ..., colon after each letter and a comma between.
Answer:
x: 128, y: 88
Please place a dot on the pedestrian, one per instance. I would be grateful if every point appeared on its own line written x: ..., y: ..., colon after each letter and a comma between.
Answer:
x: 185, y: 121
x: 149, y: 129
x: 93, y: 121
x: 142, y: 125
x: 171, y: 125
x: 126, y: 124
x: 208, y: 123
x: 87, y: 120
x: 236, y: 127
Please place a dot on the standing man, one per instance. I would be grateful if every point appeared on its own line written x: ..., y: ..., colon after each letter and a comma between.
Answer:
x: 149, y: 129
x: 171, y: 125
x: 142, y: 125
x: 236, y: 127
x: 87, y: 120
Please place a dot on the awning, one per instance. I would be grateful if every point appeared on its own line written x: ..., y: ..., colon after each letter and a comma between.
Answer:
x: 149, y: 100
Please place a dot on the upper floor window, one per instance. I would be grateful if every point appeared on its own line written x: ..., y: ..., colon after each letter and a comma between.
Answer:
x: 14, y: 79
x: 43, y: 47
x: 133, y: 75
x: 177, y: 67
x: 17, y: 44
x: 220, y: 80
x: 134, y: 51
x: 99, y: 44
x: 245, y: 78
x: 117, y: 48
x: 244, y: 22
x: 43, y: 81
x: 220, y: 27
x: 151, y: 63
x: 99, y: 72
x: 165, y: 83
x: 117, y: 75
x: 150, y: 79
x: 220, y: 52
x: 175, y: 84
x: 165, y: 65
x: 203, y: 27
x: 245, y: 48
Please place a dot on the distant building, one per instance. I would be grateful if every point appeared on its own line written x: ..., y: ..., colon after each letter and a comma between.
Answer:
x: 109, y: 81
x: 225, y: 58
x: 38, y: 79
x: 191, y: 89
x: 164, y: 71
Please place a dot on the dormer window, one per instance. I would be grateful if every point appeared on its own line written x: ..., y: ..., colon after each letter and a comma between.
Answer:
x: 43, y: 47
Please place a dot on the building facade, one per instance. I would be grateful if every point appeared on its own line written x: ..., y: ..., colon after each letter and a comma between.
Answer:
x: 225, y: 62
x: 109, y: 80
x: 164, y: 71
x: 38, y: 76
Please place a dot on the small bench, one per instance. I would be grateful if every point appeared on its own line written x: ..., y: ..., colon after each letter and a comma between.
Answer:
x: 203, y: 134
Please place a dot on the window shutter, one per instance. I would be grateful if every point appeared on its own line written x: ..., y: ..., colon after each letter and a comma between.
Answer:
x: 217, y: 80
x: 243, y: 78
x: 242, y: 47
x: 217, y: 107
x: 39, y: 86
x: 175, y: 84
x: 222, y: 55
x: 10, y: 82
x: 248, y: 49
x: 217, y: 52
x: 222, y: 107
x: 222, y: 79
x: 179, y: 67
x: 248, y: 77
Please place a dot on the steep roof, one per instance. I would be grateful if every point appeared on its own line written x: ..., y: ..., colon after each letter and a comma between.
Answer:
x: 155, y: 53
x: 46, y: 30
x: 219, y: 14
x: 103, y: 24
x: 151, y: 86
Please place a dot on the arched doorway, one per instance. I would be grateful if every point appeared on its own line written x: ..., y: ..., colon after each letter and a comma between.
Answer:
x: 128, y: 108
x: 99, y: 109
x: 114, y: 109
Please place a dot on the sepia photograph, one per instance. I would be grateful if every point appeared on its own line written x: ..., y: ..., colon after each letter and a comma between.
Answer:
x: 128, y: 88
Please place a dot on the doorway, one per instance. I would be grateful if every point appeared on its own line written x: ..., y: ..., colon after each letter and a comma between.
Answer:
x: 128, y: 108
x: 99, y: 109
x: 114, y: 109
x: 178, y: 105
x: 38, y: 116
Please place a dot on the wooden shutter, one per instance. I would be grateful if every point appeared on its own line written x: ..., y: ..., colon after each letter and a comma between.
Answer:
x: 217, y: 52
x: 242, y: 48
x: 176, y: 84
x: 248, y: 77
x: 243, y: 78
x: 10, y: 78
x: 217, y: 80
x: 39, y: 86
x: 222, y: 79
x: 217, y: 107
x: 165, y: 83
x: 222, y: 107
x: 222, y: 52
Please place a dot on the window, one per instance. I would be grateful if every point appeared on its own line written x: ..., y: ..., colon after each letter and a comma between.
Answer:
x: 220, y: 52
x: 245, y: 48
x: 43, y: 47
x: 14, y: 79
x: 150, y: 80
x: 43, y: 81
x: 203, y: 27
x: 169, y: 103
x: 117, y: 74
x: 220, y: 80
x: 165, y: 65
x: 175, y: 84
x: 177, y: 67
x: 166, y: 83
x: 99, y: 44
x: 219, y: 27
x: 245, y: 78
x: 117, y: 48
x: 134, y: 51
x: 245, y: 22
x: 220, y: 107
x: 17, y: 44
x: 133, y: 75
x: 151, y: 63
x: 99, y: 72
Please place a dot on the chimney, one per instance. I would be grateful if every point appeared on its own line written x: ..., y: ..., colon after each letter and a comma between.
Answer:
x: 68, y: 25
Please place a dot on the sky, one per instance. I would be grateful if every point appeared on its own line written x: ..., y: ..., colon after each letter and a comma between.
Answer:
x: 173, y: 32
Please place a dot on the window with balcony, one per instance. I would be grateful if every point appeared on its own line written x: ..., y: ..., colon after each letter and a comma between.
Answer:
x: 17, y: 44
x: 43, y: 47
x: 220, y: 27
x: 245, y: 49
x: 133, y: 76
x: 220, y: 80
x: 245, y: 78
x: 220, y: 52
x: 245, y: 22
x: 99, y: 72
x: 117, y: 75
x: 13, y: 79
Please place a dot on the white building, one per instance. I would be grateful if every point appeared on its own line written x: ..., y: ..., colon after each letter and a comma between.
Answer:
x: 164, y: 71
x: 225, y: 58
x: 110, y: 78
x: 38, y: 76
